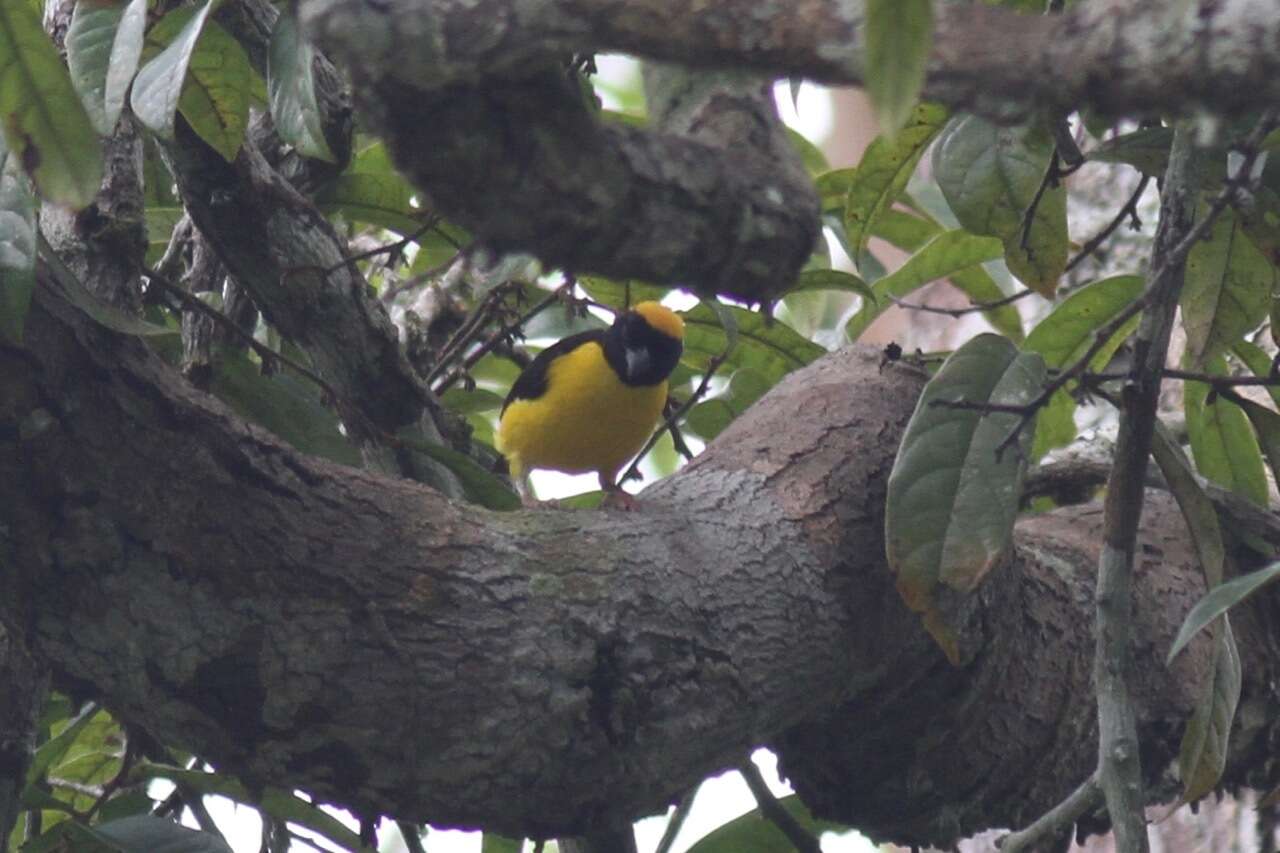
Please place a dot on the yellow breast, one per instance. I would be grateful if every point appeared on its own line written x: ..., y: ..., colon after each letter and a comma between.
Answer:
x: 587, y: 420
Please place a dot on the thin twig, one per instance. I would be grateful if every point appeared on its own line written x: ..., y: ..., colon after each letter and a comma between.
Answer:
x: 412, y: 836
x: 266, y: 353
x: 803, y: 840
x: 633, y: 472
x: 1050, y: 178
x: 1188, y: 376
x: 387, y: 249
x: 973, y: 308
x: 1049, y: 826
x: 1129, y: 211
x: 676, y: 821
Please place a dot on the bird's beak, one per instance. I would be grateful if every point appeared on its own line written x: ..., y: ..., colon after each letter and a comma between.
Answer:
x: 638, y: 361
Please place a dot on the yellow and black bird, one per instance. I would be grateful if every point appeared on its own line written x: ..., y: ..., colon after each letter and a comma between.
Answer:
x: 589, y: 402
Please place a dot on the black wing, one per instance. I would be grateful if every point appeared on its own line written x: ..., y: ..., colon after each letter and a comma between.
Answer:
x: 532, y: 381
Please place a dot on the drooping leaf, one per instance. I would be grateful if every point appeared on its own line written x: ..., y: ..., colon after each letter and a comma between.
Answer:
x: 770, y: 347
x: 834, y: 280
x: 946, y: 254
x: 910, y: 231
x: 1258, y: 361
x: 372, y: 191
x: 754, y: 833
x: 1146, y: 149
x: 292, y: 90
x: 215, y: 95
x: 899, y: 37
x: 1203, y: 753
x: 884, y: 171
x: 1218, y: 601
x: 708, y: 418
x: 815, y: 162
x: 990, y: 176
x: 48, y: 132
x: 615, y: 294
x: 478, y: 485
x: 1228, y: 289
x: 150, y: 834
x: 1222, y: 442
x: 17, y: 248
x: 952, y: 500
x: 284, y: 403
x: 492, y: 843
x: 104, y: 44
x: 106, y: 314
x: 158, y: 87
x: 1266, y: 425
x: 52, y: 751
x: 1197, y: 509
x: 1066, y: 334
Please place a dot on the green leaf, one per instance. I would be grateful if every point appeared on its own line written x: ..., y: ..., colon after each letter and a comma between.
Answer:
x: 754, y: 833
x: 990, y: 176
x: 815, y: 162
x: 833, y: 280
x: 883, y: 173
x: 478, y: 485
x: 287, y: 405
x: 952, y: 502
x: 899, y: 37
x: 1203, y: 753
x: 17, y: 248
x: 614, y: 293
x: 46, y: 127
x: 1197, y: 509
x: 710, y: 417
x: 292, y: 90
x: 55, y: 748
x: 150, y: 834
x: 1258, y: 361
x: 1228, y: 289
x: 1266, y: 424
x: 1218, y: 601
x: 73, y: 290
x: 158, y: 87
x: 1066, y: 334
x: 280, y: 804
x: 372, y: 191
x: 1146, y: 149
x: 1222, y: 442
x: 104, y: 44
x: 770, y: 347
x: 1055, y: 424
x: 491, y: 843
x: 471, y: 402
x: 946, y: 254
x: 215, y: 96
x: 72, y: 835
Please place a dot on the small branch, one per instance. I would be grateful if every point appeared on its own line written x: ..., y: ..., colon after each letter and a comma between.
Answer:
x: 984, y: 408
x: 633, y: 472
x: 266, y: 353
x: 412, y: 836
x: 1128, y: 211
x: 1049, y: 827
x: 1187, y: 376
x: 973, y: 308
x: 803, y: 840
x: 676, y: 822
x: 387, y: 249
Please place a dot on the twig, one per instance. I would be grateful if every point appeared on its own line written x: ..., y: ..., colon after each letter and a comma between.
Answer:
x: 266, y: 353
x: 387, y: 249
x: 412, y: 836
x: 985, y: 408
x: 633, y: 472
x: 677, y: 821
x: 973, y: 308
x: 1049, y: 826
x: 1188, y: 376
x: 496, y: 338
x: 803, y: 840
x: 1130, y: 210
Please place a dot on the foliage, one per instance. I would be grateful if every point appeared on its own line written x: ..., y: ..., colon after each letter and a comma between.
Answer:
x: 956, y: 487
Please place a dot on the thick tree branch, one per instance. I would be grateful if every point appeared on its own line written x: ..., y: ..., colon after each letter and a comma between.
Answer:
x: 546, y: 672
x: 1117, y: 56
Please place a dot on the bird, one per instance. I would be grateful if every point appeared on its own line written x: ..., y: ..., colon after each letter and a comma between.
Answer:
x: 590, y: 401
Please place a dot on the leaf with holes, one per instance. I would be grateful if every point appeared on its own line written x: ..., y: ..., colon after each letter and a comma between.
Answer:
x: 104, y: 44
x: 49, y: 134
x: 952, y: 500
x: 1222, y: 442
x: 292, y: 91
x: 1218, y: 601
x: 899, y: 37
x: 158, y: 86
x: 17, y: 248
x: 990, y: 176
x: 1203, y: 753
x: 883, y: 173
x: 1228, y: 289
x: 946, y: 254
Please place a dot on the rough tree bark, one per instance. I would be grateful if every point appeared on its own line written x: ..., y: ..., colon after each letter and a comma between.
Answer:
x: 543, y: 672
